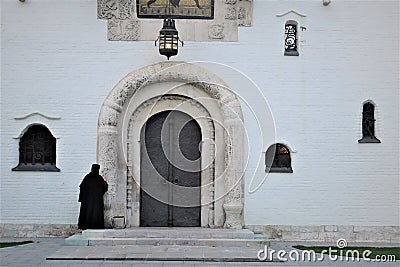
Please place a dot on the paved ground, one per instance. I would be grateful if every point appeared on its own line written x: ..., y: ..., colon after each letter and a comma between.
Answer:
x: 35, y: 255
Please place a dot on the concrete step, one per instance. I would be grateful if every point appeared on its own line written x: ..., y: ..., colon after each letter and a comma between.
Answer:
x: 172, y: 232
x: 158, y: 253
x: 80, y: 240
x: 176, y: 242
x: 169, y: 237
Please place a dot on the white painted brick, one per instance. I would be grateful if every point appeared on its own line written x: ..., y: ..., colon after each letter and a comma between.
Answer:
x: 55, y: 59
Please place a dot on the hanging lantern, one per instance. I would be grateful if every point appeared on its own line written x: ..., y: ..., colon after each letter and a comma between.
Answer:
x: 168, y: 39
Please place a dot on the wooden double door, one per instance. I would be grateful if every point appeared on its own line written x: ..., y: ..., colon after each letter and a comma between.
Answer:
x: 170, y: 170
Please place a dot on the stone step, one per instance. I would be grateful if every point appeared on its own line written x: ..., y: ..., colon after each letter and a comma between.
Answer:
x: 80, y: 240
x: 173, y: 232
x: 169, y: 237
x: 158, y: 253
x: 176, y: 242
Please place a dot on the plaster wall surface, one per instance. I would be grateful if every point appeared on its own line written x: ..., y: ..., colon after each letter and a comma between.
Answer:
x: 56, y: 60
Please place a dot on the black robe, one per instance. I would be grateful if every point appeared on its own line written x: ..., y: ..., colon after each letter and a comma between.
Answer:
x: 92, y: 189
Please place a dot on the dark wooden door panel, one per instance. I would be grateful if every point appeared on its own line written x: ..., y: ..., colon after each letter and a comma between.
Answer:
x: 154, y: 175
x: 186, y: 172
x: 170, y: 171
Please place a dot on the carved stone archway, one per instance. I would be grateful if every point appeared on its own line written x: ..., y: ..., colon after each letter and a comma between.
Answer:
x: 215, y: 108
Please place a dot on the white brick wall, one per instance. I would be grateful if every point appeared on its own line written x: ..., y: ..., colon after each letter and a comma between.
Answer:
x: 55, y: 59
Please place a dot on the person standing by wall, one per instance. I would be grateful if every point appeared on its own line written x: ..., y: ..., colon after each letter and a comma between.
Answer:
x: 92, y: 189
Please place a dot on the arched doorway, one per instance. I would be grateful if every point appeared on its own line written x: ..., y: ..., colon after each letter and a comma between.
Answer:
x: 196, y: 92
x: 170, y: 170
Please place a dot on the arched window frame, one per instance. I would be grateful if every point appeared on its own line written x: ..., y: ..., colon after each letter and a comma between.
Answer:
x: 37, y: 150
x: 368, y: 123
x: 291, y: 46
x: 278, y: 159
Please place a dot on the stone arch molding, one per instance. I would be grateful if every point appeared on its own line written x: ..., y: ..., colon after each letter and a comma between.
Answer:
x: 122, y: 116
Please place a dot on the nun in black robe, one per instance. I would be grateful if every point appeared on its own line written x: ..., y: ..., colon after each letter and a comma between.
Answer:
x: 92, y: 189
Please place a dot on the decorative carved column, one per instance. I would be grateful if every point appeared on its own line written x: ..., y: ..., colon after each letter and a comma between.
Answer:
x: 233, y: 205
x: 108, y: 156
x: 108, y: 160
